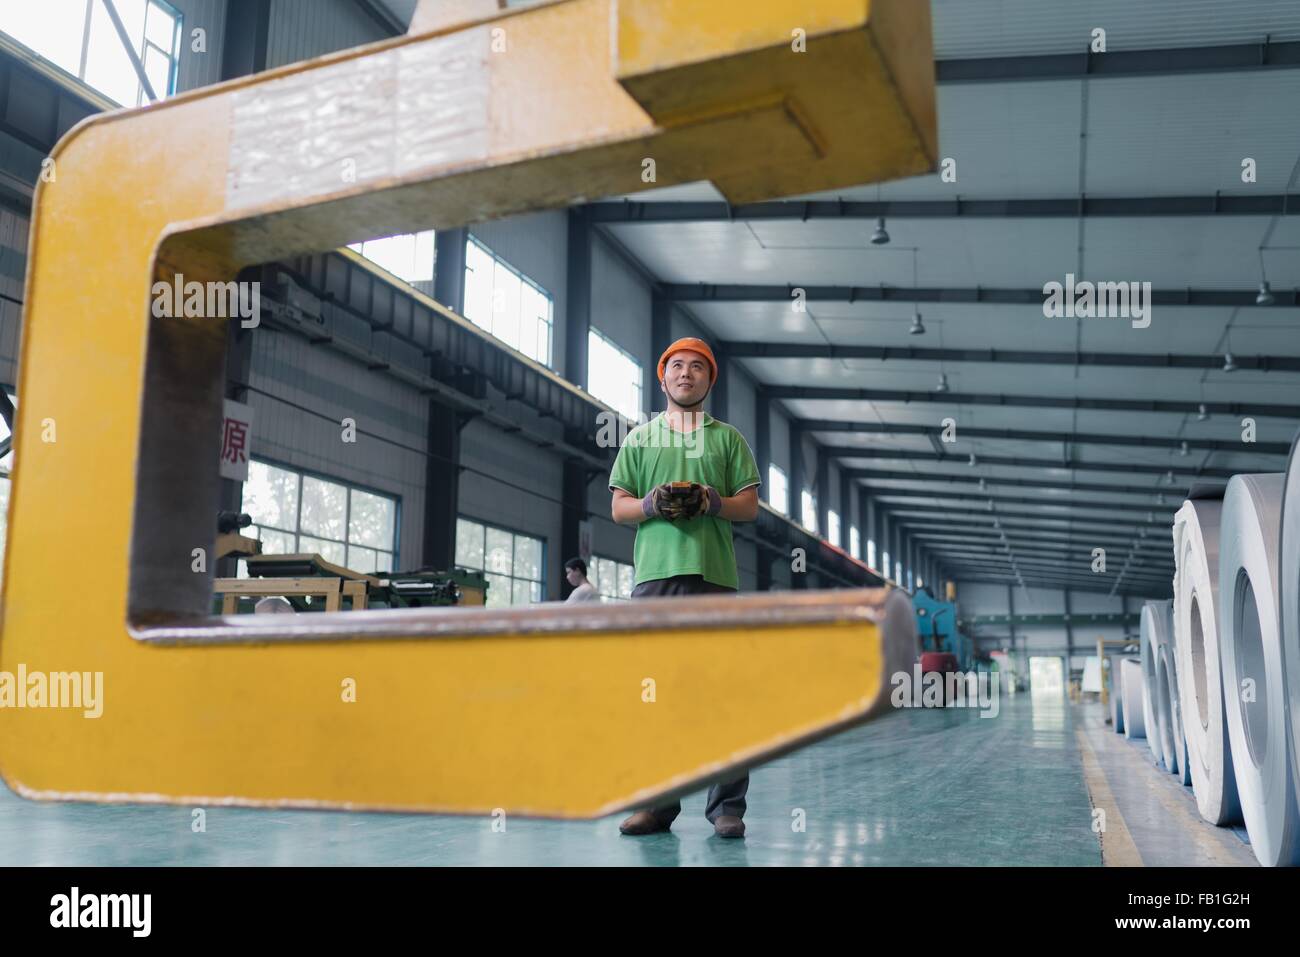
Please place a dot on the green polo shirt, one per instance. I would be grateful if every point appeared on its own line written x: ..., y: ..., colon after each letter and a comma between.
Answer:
x: 714, y: 454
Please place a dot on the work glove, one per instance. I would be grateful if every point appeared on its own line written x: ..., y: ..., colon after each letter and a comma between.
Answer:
x: 661, y: 503
x: 678, y: 500
x: 703, y: 500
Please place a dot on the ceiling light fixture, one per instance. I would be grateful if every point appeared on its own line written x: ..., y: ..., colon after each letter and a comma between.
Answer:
x: 1182, y: 449
x: 1265, y: 296
x: 1202, y: 413
x: 1229, y: 363
x: 918, y: 327
x: 880, y: 236
x: 943, y: 383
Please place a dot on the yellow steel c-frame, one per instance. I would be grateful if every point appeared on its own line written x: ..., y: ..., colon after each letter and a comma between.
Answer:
x: 545, y: 711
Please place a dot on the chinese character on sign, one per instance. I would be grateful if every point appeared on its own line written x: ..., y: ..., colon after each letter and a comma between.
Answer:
x: 236, y: 440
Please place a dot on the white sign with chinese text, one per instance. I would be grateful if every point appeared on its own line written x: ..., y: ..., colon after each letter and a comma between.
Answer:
x: 236, y: 440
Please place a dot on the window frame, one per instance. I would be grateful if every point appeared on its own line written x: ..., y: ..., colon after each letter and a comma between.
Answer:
x: 591, y: 568
x: 498, y: 261
x: 640, y: 386
x: 513, y: 533
x: 6, y: 482
x: 85, y: 36
x: 807, y: 510
x: 360, y: 249
x: 173, y: 57
x: 347, y: 513
x: 773, y: 470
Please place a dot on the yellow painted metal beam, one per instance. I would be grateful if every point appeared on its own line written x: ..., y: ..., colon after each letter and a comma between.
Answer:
x: 467, y: 710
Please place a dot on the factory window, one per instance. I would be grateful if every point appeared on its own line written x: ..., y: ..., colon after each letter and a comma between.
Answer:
x: 409, y: 257
x: 884, y: 564
x: 898, y: 573
x: 6, y: 469
x: 833, y: 527
x: 512, y: 563
x: 778, y: 491
x: 80, y: 37
x: 808, y: 511
x: 855, y: 542
x: 613, y: 376
x: 614, y: 580
x: 298, y: 513
x: 871, y: 554
x: 509, y: 305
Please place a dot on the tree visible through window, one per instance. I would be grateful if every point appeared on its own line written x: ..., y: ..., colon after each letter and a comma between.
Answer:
x: 297, y: 513
x: 614, y: 580
x: 512, y: 563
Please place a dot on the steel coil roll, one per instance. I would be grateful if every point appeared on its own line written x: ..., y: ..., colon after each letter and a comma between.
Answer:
x: 1250, y: 648
x: 1200, y: 679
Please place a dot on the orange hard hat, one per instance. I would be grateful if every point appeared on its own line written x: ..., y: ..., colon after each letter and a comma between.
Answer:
x: 694, y: 345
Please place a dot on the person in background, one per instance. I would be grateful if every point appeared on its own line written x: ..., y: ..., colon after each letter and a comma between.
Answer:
x: 575, y: 571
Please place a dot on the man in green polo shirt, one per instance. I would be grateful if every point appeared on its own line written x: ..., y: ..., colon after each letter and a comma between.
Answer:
x: 682, y: 479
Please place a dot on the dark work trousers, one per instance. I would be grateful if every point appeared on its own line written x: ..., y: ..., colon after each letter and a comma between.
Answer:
x: 728, y: 798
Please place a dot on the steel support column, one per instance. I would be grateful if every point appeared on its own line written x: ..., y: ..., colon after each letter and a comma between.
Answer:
x: 578, y: 297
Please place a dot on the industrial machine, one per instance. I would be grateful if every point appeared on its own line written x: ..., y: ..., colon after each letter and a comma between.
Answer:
x: 939, y: 631
x: 311, y: 584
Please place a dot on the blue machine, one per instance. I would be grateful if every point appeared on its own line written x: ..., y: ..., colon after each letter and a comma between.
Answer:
x: 936, y: 626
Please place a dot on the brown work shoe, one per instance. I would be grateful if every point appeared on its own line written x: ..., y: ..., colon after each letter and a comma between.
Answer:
x: 729, y: 826
x: 642, y: 822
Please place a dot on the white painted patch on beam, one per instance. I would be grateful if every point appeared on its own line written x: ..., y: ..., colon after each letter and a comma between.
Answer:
x: 419, y: 107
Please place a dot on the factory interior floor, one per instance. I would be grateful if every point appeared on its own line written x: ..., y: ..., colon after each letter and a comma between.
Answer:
x: 917, y: 787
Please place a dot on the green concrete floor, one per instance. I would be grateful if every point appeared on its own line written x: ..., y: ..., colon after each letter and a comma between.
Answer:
x: 917, y: 787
